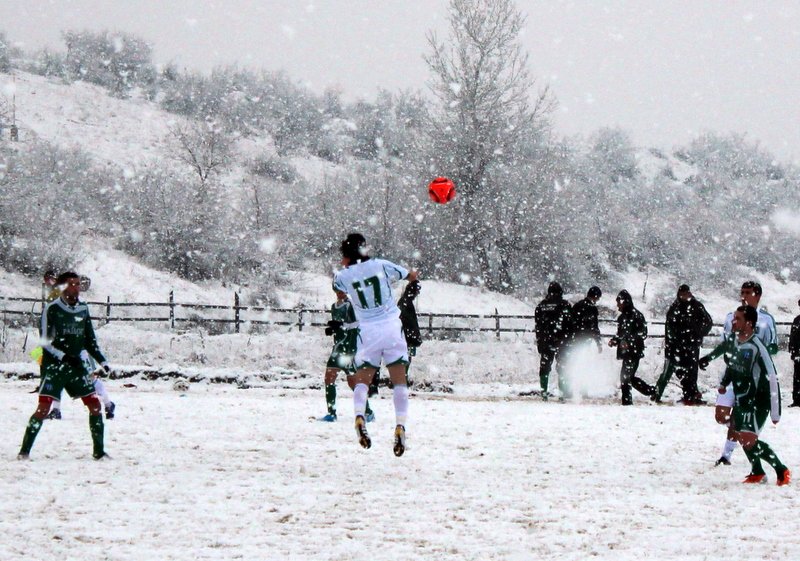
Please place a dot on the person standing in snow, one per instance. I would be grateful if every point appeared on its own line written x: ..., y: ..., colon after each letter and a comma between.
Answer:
x: 99, y: 385
x: 794, y: 351
x: 343, y: 327
x: 686, y: 325
x: 629, y: 341
x: 368, y: 283
x: 750, y: 375
x: 553, y: 327
x: 69, y: 340
x: 585, y: 319
x: 765, y: 330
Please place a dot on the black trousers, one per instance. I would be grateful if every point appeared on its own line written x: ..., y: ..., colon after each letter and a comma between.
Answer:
x: 628, y: 379
x: 796, y: 383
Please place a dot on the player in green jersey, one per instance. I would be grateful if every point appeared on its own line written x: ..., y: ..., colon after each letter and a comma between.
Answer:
x: 68, y: 342
x: 765, y: 330
x: 751, y: 375
x: 343, y: 327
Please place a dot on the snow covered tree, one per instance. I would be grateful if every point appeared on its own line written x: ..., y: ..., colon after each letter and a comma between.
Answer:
x: 481, y: 80
x: 201, y: 145
x: 117, y: 61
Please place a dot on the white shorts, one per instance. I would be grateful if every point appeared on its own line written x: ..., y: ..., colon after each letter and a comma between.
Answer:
x: 726, y: 399
x: 381, y: 341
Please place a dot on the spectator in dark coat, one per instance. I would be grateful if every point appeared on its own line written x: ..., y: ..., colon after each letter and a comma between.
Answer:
x: 629, y: 341
x: 585, y: 319
x: 687, y: 323
x: 794, y: 351
x: 553, y: 318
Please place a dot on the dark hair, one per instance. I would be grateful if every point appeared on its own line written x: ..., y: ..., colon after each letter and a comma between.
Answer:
x: 750, y: 314
x: 554, y: 289
x: 625, y: 297
x: 49, y: 273
x: 684, y: 288
x: 64, y: 277
x: 354, y: 247
x: 754, y: 285
x: 594, y: 292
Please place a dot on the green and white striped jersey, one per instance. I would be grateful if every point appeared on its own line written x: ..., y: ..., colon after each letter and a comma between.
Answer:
x: 751, y: 372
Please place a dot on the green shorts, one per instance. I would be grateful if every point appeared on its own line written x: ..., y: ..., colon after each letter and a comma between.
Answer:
x: 749, y: 419
x: 341, y: 361
x: 344, y: 352
x: 59, y: 377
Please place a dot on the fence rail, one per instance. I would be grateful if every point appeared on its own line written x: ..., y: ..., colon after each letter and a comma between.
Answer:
x: 27, y: 311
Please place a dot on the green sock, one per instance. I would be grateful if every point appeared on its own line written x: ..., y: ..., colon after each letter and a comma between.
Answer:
x: 330, y: 398
x: 755, y: 461
x: 96, y: 428
x: 368, y: 410
x: 765, y: 452
x: 34, y: 425
x: 543, y: 380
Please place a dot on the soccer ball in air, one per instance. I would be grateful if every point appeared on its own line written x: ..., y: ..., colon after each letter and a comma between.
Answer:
x: 441, y: 190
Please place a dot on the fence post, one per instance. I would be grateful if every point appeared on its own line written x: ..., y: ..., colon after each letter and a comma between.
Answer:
x: 430, y: 324
x: 108, y: 309
x: 236, y: 311
x: 497, y: 323
x: 300, y: 318
x: 172, y: 309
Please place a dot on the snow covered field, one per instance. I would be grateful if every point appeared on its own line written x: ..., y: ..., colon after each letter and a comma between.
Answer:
x: 224, y: 473
x: 221, y: 473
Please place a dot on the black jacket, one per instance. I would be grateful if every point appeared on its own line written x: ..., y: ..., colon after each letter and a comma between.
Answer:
x: 631, y: 333
x: 553, y: 317
x: 687, y: 323
x: 584, y: 317
x: 794, y: 339
x: 408, y: 315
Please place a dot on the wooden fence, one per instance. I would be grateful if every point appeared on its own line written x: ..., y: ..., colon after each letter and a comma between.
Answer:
x: 26, y: 312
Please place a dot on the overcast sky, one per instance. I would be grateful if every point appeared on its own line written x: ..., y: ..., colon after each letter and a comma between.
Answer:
x: 665, y: 70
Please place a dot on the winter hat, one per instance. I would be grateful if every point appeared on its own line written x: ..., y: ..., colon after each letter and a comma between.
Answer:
x: 354, y: 247
x: 594, y: 292
x: 554, y: 289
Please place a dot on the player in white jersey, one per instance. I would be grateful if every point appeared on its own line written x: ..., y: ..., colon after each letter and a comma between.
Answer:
x: 368, y: 282
x: 767, y: 333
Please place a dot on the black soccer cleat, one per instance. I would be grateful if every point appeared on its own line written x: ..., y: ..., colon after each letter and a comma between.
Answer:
x: 110, y: 410
x: 399, y: 440
x: 55, y: 414
x: 101, y: 456
x: 361, y: 430
x: 723, y: 461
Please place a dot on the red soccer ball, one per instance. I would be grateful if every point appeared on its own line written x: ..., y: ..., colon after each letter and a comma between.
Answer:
x: 442, y: 190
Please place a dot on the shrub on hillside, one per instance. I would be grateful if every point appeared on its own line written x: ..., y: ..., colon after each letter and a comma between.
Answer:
x: 117, y: 61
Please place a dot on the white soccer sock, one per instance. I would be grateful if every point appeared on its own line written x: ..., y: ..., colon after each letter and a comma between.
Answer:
x: 360, y: 399
x: 100, y: 390
x: 400, y: 398
x: 727, y: 450
x: 55, y: 405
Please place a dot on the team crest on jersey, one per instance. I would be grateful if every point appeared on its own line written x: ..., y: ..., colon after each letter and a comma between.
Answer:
x: 747, y: 355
